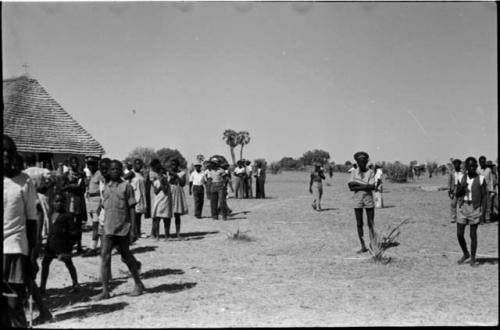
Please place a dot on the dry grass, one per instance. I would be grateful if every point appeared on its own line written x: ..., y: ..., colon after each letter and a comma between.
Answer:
x: 302, y: 271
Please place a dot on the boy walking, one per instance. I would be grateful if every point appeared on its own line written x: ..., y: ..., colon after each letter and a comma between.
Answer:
x: 472, y: 192
x: 119, y: 229
x: 62, y: 235
x: 317, y: 177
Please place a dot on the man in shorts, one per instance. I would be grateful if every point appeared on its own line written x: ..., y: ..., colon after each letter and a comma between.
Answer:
x: 472, y: 192
x: 362, y: 183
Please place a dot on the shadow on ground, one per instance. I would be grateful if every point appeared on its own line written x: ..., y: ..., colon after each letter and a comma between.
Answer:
x: 388, y: 206
x: 161, y: 272
x: 61, y: 297
x: 492, y: 261
x: 90, y: 310
x: 142, y: 249
x: 171, y: 288
x: 198, y: 234
x: 328, y: 209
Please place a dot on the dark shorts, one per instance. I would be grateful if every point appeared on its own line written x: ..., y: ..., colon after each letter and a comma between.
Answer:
x: 62, y: 256
x: 15, y: 268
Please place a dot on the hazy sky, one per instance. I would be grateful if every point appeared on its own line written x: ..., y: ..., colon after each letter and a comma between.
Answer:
x: 401, y: 81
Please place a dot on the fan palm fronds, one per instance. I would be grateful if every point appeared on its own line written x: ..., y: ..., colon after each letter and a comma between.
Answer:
x: 380, y: 243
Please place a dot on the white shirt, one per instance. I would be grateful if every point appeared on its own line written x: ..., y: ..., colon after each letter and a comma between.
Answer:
x: 19, y: 205
x: 87, y: 172
x: 458, y: 177
x: 139, y: 188
x: 239, y: 170
x: 197, y: 178
x: 249, y: 170
x: 378, y: 174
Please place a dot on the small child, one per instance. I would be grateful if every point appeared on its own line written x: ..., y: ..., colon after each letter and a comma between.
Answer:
x: 63, y: 233
x: 471, y: 192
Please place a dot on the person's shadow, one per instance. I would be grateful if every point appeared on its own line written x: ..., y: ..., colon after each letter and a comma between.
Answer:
x: 161, y: 272
x: 328, y: 209
x: 85, y: 311
x: 142, y: 249
x: 488, y: 260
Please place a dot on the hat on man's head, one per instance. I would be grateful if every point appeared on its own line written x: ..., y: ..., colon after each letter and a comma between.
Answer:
x: 361, y: 154
x: 214, y: 160
x: 457, y: 161
x: 490, y: 163
x: 197, y: 163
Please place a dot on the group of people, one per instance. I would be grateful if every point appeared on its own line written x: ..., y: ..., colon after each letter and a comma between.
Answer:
x: 46, y: 211
x: 49, y: 209
x: 317, y: 176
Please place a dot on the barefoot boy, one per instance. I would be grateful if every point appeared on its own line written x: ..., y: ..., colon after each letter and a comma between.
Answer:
x: 362, y: 183
x: 62, y: 236
x: 471, y: 192
x: 119, y: 229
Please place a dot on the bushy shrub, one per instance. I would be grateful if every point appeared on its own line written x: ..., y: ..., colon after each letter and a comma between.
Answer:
x: 275, y: 168
x: 397, y: 172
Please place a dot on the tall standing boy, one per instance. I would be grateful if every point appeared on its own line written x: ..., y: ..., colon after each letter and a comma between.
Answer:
x: 472, y: 192
x: 119, y: 229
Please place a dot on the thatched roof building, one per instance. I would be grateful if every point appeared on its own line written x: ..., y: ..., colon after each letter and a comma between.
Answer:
x: 39, y: 125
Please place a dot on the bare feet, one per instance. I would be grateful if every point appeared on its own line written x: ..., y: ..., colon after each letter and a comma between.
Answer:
x: 474, y: 263
x: 138, y: 290
x: 462, y: 260
x: 362, y: 250
x: 101, y: 296
x: 43, y: 318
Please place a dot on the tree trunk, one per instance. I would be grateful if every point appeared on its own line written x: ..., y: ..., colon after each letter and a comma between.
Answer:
x: 241, y: 152
x: 232, y: 155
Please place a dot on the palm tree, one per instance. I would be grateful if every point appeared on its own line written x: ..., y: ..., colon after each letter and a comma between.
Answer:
x: 242, y: 139
x: 231, y: 138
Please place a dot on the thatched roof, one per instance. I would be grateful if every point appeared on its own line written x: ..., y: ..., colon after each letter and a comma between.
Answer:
x: 37, y: 123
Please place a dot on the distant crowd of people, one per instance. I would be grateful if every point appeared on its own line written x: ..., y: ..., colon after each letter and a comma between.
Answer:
x: 46, y: 211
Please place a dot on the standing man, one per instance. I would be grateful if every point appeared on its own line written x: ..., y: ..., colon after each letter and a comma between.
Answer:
x: 196, y: 182
x: 362, y: 183
x: 93, y: 195
x: 74, y: 186
x: 248, y: 193
x: 486, y: 172
x: 119, y: 229
x: 217, y: 175
x: 138, y: 184
x: 239, y: 180
x: 454, y: 178
x: 472, y: 192
x: 21, y: 238
x: 494, y: 179
x: 260, y: 180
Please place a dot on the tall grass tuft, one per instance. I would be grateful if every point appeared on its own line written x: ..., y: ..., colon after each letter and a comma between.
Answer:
x: 381, y: 243
x: 240, y: 236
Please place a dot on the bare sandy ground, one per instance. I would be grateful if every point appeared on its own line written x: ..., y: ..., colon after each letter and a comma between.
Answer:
x: 301, y: 268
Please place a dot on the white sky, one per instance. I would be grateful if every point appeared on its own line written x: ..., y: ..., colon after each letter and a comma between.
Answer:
x: 401, y: 81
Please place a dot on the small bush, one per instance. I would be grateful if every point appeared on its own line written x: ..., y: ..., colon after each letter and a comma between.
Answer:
x: 275, y: 168
x: 380, y: 243
x: 397, y: 172
x: 240, y: 236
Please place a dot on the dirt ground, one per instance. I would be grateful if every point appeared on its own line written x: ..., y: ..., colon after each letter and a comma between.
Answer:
x: 301, y: 268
